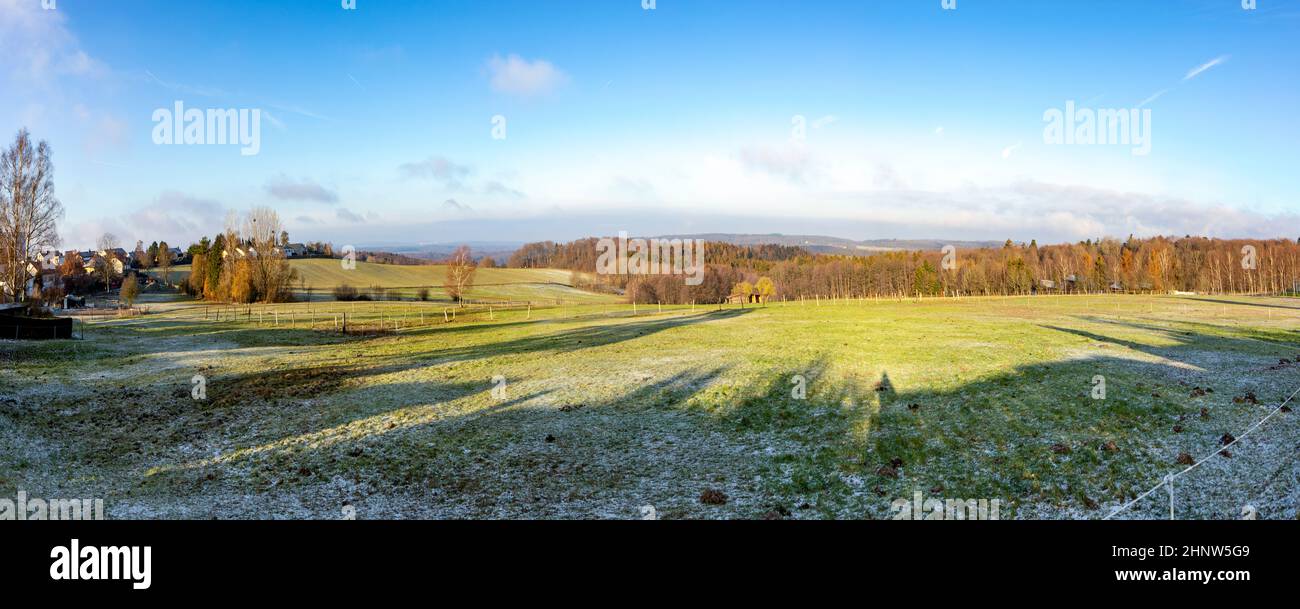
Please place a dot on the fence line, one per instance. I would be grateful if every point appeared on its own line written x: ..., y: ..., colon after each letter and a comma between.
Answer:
x: 1168, y: 480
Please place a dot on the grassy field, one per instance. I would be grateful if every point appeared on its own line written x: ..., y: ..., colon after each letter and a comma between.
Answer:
x: 599, y: 412
x: 321, y: 276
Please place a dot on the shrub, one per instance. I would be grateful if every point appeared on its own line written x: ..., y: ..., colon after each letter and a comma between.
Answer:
x: 242, y: 288
x: 130, y: 290
x: 423, y: 294
x: 346, y: 293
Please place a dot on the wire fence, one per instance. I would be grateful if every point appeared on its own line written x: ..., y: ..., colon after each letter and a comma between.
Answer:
x: 353, y: 317
x: 1167, y: 481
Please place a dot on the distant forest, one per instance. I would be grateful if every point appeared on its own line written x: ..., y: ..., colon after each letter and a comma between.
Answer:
x: 1151, y: 265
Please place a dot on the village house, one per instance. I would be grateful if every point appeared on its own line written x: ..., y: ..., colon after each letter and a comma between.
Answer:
x: 744, y: 298
x: 91, y: 263
x: 52, y: 259
x: 8, y: 293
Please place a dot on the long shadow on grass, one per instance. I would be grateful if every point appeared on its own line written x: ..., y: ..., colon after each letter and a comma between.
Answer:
x: 326, y: 378
x: 145, y: 420
x: 1241, y: 303
x: 588, y: 336
x: 1202, y: 331
x: 128, y: 423
x: 220, y: 334
x: 1035, y: 435
x: 585, y: 337
x: 1040, y: 435
x: 529, y: 452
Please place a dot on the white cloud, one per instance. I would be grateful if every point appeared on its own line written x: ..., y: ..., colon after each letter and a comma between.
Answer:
x: 638, y: 189
x: 518, y: 76
x: 886, y: 178
x: 348, y: 216
x: 184, y: 88
x: 441, y: 169
x: 829, y: 119
x: 1194, y: 72
x: 790, y: 161
x: 1154, y: 96
x: 497, y: 187
x: 36, y: 45
x: 173, y: 216
x: 271, y: 118
x: 283, y: 187
x: 1050, y: 213
x: 455, y: 206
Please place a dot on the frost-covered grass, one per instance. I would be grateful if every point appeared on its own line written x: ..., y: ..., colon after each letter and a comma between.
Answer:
x: 604, y: 411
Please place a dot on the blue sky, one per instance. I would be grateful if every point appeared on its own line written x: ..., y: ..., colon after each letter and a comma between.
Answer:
x: 919, y: 122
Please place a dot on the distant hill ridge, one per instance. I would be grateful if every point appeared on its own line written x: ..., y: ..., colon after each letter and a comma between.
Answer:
x: 836, y: 245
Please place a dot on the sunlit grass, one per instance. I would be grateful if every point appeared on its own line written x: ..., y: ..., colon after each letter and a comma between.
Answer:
x: 606, y: 409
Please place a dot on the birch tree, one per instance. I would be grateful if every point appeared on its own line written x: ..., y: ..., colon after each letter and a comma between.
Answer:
x: 29, y: 211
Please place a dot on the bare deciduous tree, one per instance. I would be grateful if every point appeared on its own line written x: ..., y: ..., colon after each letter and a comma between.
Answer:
x: 272, y: 274
x: 139, y: 255
x: 29, y: 211
x: 104, y: 266
x: 165, y: 262
x: 460, y: 273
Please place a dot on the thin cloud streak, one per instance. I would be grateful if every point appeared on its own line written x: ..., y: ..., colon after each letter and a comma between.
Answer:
x: 1198, y: 70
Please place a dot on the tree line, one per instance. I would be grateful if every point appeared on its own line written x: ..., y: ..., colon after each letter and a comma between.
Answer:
x: 244, y: 263
x: 1150, y: 265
